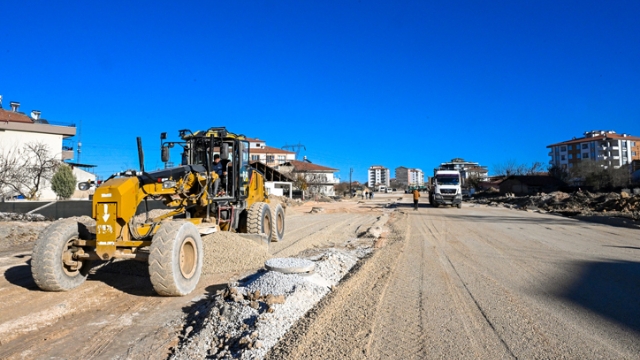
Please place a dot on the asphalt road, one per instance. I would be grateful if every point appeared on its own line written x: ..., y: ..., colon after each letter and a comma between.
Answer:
x: 483, y: 283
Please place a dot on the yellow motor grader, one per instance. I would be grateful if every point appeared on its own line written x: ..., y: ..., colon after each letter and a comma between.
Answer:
x: 200, y: 199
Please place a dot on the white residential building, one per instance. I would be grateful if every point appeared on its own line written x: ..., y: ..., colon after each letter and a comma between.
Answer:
x: 18, y: 129
x: 605, y: 146
x: 378, y: 175
x: 468, y: 169
x: 409, y: 176
x: 259, y: 151
x: 320, y: 179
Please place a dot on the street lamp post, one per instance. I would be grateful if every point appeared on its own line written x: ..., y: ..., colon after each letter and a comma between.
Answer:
x: 350, y: 173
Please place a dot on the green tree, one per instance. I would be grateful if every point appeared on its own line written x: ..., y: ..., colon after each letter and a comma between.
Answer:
x: 301, y: 183
x: 63, y: 182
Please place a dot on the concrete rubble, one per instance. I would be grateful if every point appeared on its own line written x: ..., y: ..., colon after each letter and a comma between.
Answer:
x: 7, y: 216
x: 625, y: 203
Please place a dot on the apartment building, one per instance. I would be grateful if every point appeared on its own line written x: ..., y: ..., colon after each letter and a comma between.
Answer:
x: 468, y: 169
x: 259, y: 151
x: 378, y: 175
x: 409, y: 176
x: 604, y: 146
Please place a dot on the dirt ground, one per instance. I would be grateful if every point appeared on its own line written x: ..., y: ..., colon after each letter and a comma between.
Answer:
x: 477, y: 282
x: 115, y: 313
x: 482, y: 283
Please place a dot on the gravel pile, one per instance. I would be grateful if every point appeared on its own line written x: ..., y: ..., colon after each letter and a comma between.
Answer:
x: 333, y: 265
x: 226, y: 252
x: 289, y: 265
x: 246, y: 321
x: 273, y: 282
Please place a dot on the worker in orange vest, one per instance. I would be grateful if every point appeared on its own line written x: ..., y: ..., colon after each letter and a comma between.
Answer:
x: 416, y: 196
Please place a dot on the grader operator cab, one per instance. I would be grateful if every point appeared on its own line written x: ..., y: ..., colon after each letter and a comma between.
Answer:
x: 202, y: 196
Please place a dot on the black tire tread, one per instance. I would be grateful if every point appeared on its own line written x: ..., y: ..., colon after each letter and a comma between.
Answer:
x: 46, y: 262
x: 255, y: 215
x: 275, y: 236
x: 161, y: 267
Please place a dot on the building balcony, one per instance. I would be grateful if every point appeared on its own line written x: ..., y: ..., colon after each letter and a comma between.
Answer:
x: 66, y: 154
x: 550, y: 153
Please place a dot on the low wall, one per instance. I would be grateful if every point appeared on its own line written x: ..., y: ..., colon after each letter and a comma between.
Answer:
x: 64, y: 208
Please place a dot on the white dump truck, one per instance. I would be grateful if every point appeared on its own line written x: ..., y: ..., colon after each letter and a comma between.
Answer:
x: 446, y: 188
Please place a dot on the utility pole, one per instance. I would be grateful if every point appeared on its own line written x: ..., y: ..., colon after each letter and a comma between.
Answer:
x: 350, y: 173
x: 295, y: 148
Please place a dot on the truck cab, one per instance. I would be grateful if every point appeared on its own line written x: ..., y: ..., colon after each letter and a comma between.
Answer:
x: 446, y: 188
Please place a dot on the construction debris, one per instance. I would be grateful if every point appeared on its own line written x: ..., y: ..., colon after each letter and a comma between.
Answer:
x: 8, y: 216
x: 246, y: 319
x: 625, y: 203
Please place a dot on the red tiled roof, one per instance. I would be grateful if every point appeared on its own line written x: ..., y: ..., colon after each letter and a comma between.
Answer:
x: 594, y: 138
x: 11, y: 116
x: 305, y: 166
x: 269, y: 150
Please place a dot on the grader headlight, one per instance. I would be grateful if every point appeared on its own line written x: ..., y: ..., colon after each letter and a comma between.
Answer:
x: 168, y: 184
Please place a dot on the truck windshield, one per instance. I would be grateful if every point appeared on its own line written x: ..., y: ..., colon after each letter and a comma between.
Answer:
x: 447, y: 179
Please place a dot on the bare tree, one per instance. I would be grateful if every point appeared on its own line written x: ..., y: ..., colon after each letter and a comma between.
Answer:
x: 23, y: 171
x: 535, y: 168
x: 511, y: 167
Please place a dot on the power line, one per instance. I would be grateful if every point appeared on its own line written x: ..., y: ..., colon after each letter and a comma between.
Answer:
x: 295, y: 148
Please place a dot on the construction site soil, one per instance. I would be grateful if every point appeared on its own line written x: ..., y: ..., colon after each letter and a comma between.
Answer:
x: 116, y: 314
x: 388, y: 282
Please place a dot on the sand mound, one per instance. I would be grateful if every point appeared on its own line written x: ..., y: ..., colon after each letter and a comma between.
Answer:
x: 229, y: 252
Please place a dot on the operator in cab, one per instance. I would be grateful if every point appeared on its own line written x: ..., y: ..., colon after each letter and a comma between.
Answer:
x: 221, y: 170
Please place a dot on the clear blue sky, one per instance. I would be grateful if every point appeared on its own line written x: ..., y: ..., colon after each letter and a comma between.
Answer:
x: 411, y: 83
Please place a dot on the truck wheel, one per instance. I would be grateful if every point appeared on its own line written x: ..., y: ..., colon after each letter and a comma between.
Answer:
x: 277, y: 230
x: 175, y: 259
x: 259, y: 219
x: 459, y: 206
x: 52, y: 265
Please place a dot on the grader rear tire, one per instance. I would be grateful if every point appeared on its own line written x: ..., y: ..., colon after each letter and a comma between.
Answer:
x: 259, y: 220
x: 175, y: 259
x: 52, y: 265
x: 277, y: 230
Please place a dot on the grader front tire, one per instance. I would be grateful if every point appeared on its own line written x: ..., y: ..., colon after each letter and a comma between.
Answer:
x: 277, y: 229
x: 52, y: 264
x: 259, y: 219
x: 175, y: 259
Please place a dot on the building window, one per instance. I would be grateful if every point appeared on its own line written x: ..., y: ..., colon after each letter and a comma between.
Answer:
x: 562, y: 157
x: 255, y: 157
x: 257, y: 144
x: 633, y: 153
x: 585, y: 155
x: 270, y: 158
x: 570, y: 165
x: 570, y: 147
x: 564, y: 148
x: 577, y: 156
x: 585, y: 146
x: 570, y: 156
